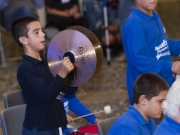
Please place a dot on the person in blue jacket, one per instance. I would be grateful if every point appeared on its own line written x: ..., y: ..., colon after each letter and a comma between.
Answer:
x: 146, y: 45
x: 13, y: 9
x: 95, y: 15
x: 148, y: 94
x: 171, y: 124
x: 71, y: 102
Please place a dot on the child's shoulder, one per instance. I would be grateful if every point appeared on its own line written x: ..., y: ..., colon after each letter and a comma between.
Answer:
x: 126, y: 117
x: 25, y: 66
x: 127, y: 123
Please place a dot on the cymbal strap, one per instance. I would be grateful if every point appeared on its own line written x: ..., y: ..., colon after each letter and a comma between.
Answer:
x: 72, y: 59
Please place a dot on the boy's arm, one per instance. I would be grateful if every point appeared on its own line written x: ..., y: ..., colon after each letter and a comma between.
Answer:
x: 32, y: 82
x: 54, y: 11
x: 69, y: 90
x: 3, y: 4
x: 137, y: 53
x: 174, y: 46
x: 77, y: 107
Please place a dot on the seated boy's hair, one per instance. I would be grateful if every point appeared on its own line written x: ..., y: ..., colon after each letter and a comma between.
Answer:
x: 171, y: 105
x: 19, y: 27
x: 150, y: 85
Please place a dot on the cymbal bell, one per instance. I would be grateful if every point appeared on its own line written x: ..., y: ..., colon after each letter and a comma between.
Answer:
x: 83, y: 49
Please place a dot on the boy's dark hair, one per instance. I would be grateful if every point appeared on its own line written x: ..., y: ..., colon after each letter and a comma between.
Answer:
x: 150, y: 85
x: 19, y: 27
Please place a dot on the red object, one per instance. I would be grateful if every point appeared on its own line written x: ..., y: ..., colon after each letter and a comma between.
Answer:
x: 87, y: 130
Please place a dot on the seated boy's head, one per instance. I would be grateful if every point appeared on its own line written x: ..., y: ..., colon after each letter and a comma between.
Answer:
x: 27, y: 31
x: 149, y: 92
x: 171, y: 105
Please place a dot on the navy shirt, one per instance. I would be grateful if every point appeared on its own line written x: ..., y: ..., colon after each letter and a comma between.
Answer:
x: 60, y: 5
x: 40, y: 89
x: 132, y: 123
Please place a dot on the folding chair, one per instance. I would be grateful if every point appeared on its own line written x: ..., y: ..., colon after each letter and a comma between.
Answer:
x: 12, y: 120
x: 2, y: 52
x: 104, y: 126
x: 13, y: 98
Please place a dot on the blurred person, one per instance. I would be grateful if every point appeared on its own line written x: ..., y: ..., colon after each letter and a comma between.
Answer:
x: 95, y: 15
x: 125, y: 8
x: 13, y: 9
x: 146, y: 45
x: 64, y: 13
x: 149, y: 92
x: 171, y: 124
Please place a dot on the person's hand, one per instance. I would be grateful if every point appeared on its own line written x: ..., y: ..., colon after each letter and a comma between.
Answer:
x: 54, y: 11
x: 74, y: 10
x: 77, y: 15
x: 65, y: 67
x: 65, y: 13
x: 176, y: 67
x: 113, y: 27
x: 102, y: 26
x: 97, y: 121
x: 69, y: 118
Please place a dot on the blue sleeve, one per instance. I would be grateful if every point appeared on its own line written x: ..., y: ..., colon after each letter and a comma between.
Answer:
x: 3, y: 4
x: 174, y: 47
x: 38, y: 3
x: 79, y: 108
x: 136, y: 49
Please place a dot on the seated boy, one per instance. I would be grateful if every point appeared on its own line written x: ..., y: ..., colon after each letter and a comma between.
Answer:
x: 44, y: 112
x: 171, y: 124
x: 149, y: 92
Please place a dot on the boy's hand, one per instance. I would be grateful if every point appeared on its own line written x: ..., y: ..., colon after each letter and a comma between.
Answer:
x: 176, y: 67
x: 97, y: 121
x: 66, y: 67
x: 69, y: 118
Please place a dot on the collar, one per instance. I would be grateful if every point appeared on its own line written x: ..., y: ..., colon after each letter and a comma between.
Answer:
x: 31, y: 59
x: 138, y: 116
x: 145, y: 16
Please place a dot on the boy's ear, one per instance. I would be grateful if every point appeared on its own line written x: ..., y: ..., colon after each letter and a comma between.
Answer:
x: 142, y: 99
x: 23, y: 40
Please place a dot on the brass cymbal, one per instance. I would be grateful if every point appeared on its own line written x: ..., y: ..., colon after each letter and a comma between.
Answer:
x: 83, y: 47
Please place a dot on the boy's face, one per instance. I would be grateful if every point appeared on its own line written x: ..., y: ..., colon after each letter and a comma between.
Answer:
x: 146, y: 6
x: 36, y: 36
x: 154, y: 106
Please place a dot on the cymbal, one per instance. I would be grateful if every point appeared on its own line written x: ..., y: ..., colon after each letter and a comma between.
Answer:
x: 83, y: 49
